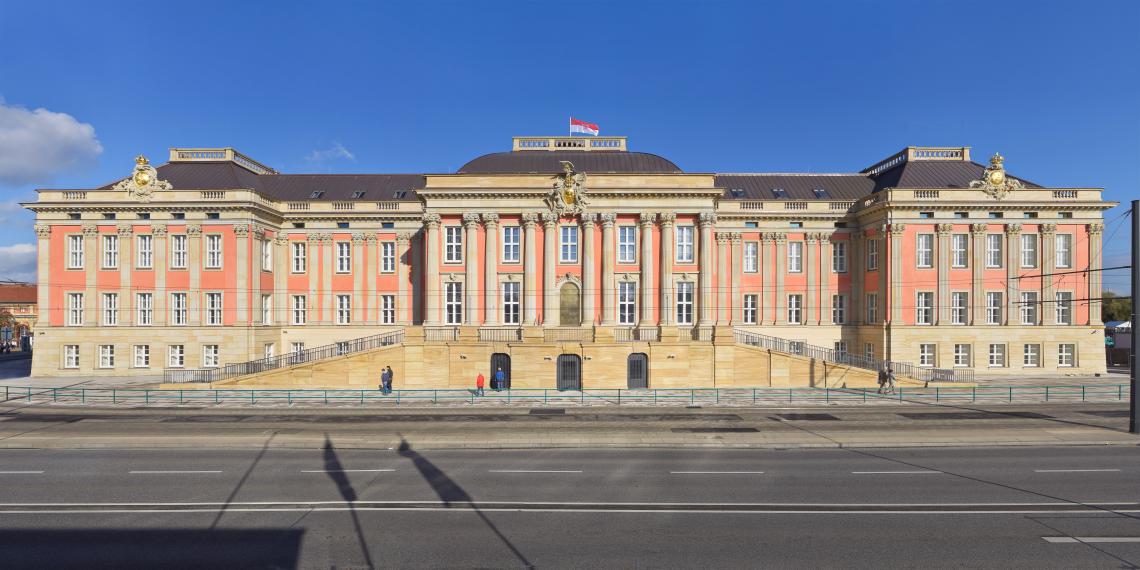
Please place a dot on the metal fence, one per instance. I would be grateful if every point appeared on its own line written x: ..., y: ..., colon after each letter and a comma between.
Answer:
x: 178, y: 376
x: 800, y: 348
x: 539, y: 396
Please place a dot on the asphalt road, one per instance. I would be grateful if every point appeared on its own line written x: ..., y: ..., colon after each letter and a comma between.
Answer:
x: 405, y: 507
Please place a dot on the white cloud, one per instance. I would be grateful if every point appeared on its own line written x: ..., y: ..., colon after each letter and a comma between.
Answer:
x: 335, y: 152
x: 18, y: 262
x: 36, y: 146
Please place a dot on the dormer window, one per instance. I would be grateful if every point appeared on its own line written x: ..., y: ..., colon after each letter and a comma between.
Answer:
x: 736, y: 192
x: 821, y: 194
x: 358, y: 194
x: 779, y: 194
x: 316, y: 194
x: 400, y: 194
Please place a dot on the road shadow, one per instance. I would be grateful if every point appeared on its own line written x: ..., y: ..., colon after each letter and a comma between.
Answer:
x: 241, y: 482
x: 452, y: 494
x: 335, y: 471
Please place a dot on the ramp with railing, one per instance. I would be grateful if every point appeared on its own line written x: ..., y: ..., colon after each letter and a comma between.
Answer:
x: 180, y: 376
x: 798, y: 348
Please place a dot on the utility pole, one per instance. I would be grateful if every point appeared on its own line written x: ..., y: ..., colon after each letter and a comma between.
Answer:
x: 1134, y: 409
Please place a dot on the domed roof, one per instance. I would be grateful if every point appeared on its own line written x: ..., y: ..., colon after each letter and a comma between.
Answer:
x: 548, y: 162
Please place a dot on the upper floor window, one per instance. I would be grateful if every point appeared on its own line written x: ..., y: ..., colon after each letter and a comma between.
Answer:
x: 512, y: 236
x: 145, y: 255
x: 74, y: 309
x: 795, y: 256
x: 343, y: 257
x: 924, y: 308
x: 750, y: 309
x: 993, y: 307
x: 452, y: 244
x: 300, y: 309
x: 299, y: 257
x: 512, y: 301
x: 178, y: 308
x: 1029, y: 250
x: 795, y: 309
x: 751, y: 252
x: 959, y: 306
x: 872, y: 254
x: 453, y: 303
x: 1064, y: 307
x: 627, y: 303
x: 110, y: 252
x: 1028, y: 307
x: 110, y: 309
x: 387, y: 257
x: 959, y: 250
x: 178, y: 251
x: 924, y: 251
x: 144, y: 306
x: 1064, y: 243
x: 213, y: 308
x: 75, y: 251
x: 839, y: 257
x: 213, y: 251
x: 343, y: 309
x: 266, y: 255
x: 627, y: 244
x: 569, y: 244
x: 838, y: 309
x: 993, y: 251
x: 685, y: 303
x: 684, y: 244
x: 872, y: 307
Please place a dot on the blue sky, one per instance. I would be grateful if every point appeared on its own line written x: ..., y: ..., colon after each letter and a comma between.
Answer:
x: 425, y: 86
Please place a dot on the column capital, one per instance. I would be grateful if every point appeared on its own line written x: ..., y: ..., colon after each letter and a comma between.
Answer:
x: 43, y: 231
x: 529, y: 219
x: 470, y: 220
x: 892, y: 228
x: 402, y: 238
x: 707, y: 219
x: 1048, y: 229
x: 778, y: 237
x: 647, y: 218
x: 281, y: 239
x: 314, y: 237
x: 90, y: 230
x: 357, y: 238
x: 549, y: 219
x: 1013, y: 229
x: 125, y: 229
x: 431, y: 220
x: 944, y: 229
x: 1096, y: 229
x: 608, y: 219
x: 158, y: 230
x: 721, y: 237
x: 824, y: 238
x: 978, y: 229
x: 811, y: 237
x: 588, y: 219
x: 194, y: 230
x: 666, y: 218
x: 373, y: 238
x: 241, y: 230
x: 734, y: 237
x: 490, y: 219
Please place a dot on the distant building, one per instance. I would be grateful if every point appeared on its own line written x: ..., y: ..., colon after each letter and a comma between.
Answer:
x: 20, y: 300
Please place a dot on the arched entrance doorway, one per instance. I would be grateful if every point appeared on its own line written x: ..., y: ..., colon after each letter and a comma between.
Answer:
x: 637, y: 371
x: 501, y: 361
x: 569, y: 372
x: 570, y: 305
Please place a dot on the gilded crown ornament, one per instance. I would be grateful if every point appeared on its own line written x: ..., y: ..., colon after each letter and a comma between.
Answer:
x: 994, y: 181
x: 143, y: 182
x: 567, y: 196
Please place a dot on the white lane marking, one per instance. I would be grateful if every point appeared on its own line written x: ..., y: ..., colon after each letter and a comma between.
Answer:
x: 528, y: 471
x: 924, y: 472
x: 1076, y: 471
x: 1080, y: 539
x: 346, y: 470
x: 790, y: 507
x: 21, y: 472
x: 461, y: 508
x: 170, y: 472
x: 716, y: 472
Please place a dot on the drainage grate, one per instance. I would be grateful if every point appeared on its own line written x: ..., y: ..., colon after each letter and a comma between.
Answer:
x: 716, y: 430
x: 974, y: 416
x: 547, y: 411
x: 808, y: 417
x: 1107, y: 413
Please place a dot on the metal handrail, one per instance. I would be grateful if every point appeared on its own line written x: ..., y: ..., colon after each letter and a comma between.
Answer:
x: 798, y: 348
x: 179, y: 376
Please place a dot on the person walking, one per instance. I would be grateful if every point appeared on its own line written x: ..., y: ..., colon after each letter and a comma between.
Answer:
x: 479, y: 380
x: 388, y: 382
x: 890, y: 381
x: 882, y: 380
x: 500, y: 378
x: 383, y: 380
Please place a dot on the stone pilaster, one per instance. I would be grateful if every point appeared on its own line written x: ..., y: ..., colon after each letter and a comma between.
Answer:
x: 589, y: 285
x: 781, y: 304
x: 736, y: 302
x: 857, y: 312
x: 530, y: 269
x: 194, y: 266
x: 471, y: 264
x: 825, y: 262
x: 126, y: 265
x: 977, y: 272
x: 894, y: 256
x: 1012, y: 265
x: 328, y: 268
x: 241, y: 304
x: 491, y: 269
x: 431, y: 269
x: 158, y: 233
x: 1047, y: 313
x: 707, y: 221
x: 811, y: 296
x: 93, y: 253
x: 723, y: 279
x: 371, y: 268
x: 43, y: 275
x: 646, y: 222
x: 255, y: 283
x: 403, y: 264
x: 609, y: 254
x: 549, y: 262
x: 942, y: 264
x: 283, y: 265
x: 359, y: 268
x: 1096, y: 230
x: 766, y: 303
x: 667, y: 220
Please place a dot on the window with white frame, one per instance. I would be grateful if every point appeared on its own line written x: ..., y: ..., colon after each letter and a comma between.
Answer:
x: 213, y: 251
x: 840, y: 347
x: 296, y: 347
x: 684, y: 244
x: 627, y: 303
x: 341, y: 347
x: 924, y: 251
x: 210, y: 354
x: 213, y: 308
x: 144, y: 257
x: 959, y: 308
x: 343, y: 309
x: 1028, y: 250
x: 869, y: 350
x: 110, y: 252
x: 997, y: 355
x: 750, y: 309
x: 1028, y: 307
x: 178, y: 253
x: 993, y: 307
x: 176, y: 356
x: 872, y: 307
x: 110, y: 309
x: 1064, y: 247
x: 1066, y: 355
x: 751, y: 255
x: 685, y: 303
x: 512, y: 303
x: 343, y: 257
x: 512, y: 239
x: 568, y: 245
x: 268, y: 350
x: 266, y: 309
x: 106, y: 356
x: 627, y: 244
x: 453, y: 244
x: 924, y: 308
x: 300, y: 309
x: 838, y: 309
x: 795, y: 309
x: 75, y: 251
x: 387, y: 309
x: 142, y: 355
x: 387, y: 257
x: 959, y: 251
x: 144, y: 309
x: 453, y: 303
x: 795, y: 256
x: 266, y: 255
x: 74, y: 309
x: 926, y: 354
x: 993, y: 251
x: 961, y: 355
x: 1031, y: 355
x: 1064, y: 307
x: 178, y: 308
x: 300, y: 256
x: 839, y: 256
x: 71, y: 356
x: 872, y: 254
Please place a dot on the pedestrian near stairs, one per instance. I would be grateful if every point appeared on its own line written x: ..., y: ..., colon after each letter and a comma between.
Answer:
x: 500, y: 378
x: 383, y: 380
x: 479, y: 381
x: 388, y: 382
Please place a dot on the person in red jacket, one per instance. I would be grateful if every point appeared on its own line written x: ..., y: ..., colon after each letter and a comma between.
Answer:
x: 479, y: 381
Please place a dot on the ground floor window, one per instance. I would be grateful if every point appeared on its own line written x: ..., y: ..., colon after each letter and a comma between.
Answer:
x: 795, y: 309
x: 387, y: 309
x: 961, y: 355
x: 71, y: 356
x: 176, y: 356
x: 106, y: 356
x: 838, y: 309
x: 997, y: 355
x: 749, y: 309
x: 841, y: 347
x: 142, y: 356
x: 343, y: 309
x: 926, y: 354
x: 869, y: 350
x: 1066, y: 355
x: 210, y: 355
x: 342, y: 347
x: 267, y: 352
x: 1032, y: 355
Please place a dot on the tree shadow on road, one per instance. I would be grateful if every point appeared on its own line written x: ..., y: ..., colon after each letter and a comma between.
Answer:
x: 335, y: 471
x: 453, y: 495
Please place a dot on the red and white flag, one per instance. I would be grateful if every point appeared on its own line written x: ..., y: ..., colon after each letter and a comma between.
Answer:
x: 583, y: 127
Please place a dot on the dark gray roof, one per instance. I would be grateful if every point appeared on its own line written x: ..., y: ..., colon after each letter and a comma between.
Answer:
x: 797, y: 186
x: 934, y: 174
x: 547, y: 162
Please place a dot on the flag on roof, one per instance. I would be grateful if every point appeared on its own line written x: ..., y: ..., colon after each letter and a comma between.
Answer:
x: 577, y: 126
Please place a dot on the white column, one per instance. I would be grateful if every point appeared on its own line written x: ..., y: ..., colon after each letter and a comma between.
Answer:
x: 1047, y: 313
x: 977, y: 273
x: 282, y: 266
x: 781, y: 304
x: 722, y: 313
x: 43, y: 275
x: 1095, y: 277
x: 811, y: 259
x: 549, y: 259
x: 589, y: 287
x: 491, y: 269
x: 608, y: 259
x: 358, y: 308
x: 825, y: 305
x: 707, y: 221
x: 894, y: 255
x: 767, y: 300
x: 942, y: 263
x: 668, y: 314
x: 126, y: 265
x: 647, y: 269
x: 194, y: 265
x: 158, y: 231
x: 403, y: 263
x: 371, y: 269
x: 855, y: 268
x: 431, y: 269
x: 530, y: 269
x: 1012, y: 264
x: 241, y: 306
x: 736, y: 303
x: 471, y: 264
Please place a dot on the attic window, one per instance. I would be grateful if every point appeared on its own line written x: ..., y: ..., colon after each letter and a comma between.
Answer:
x: 400, y: 194
x: 358, y: 194
x: 821, y: 194
x: 316, y: 194
x: 779, y: 194
x: 737, y: 192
